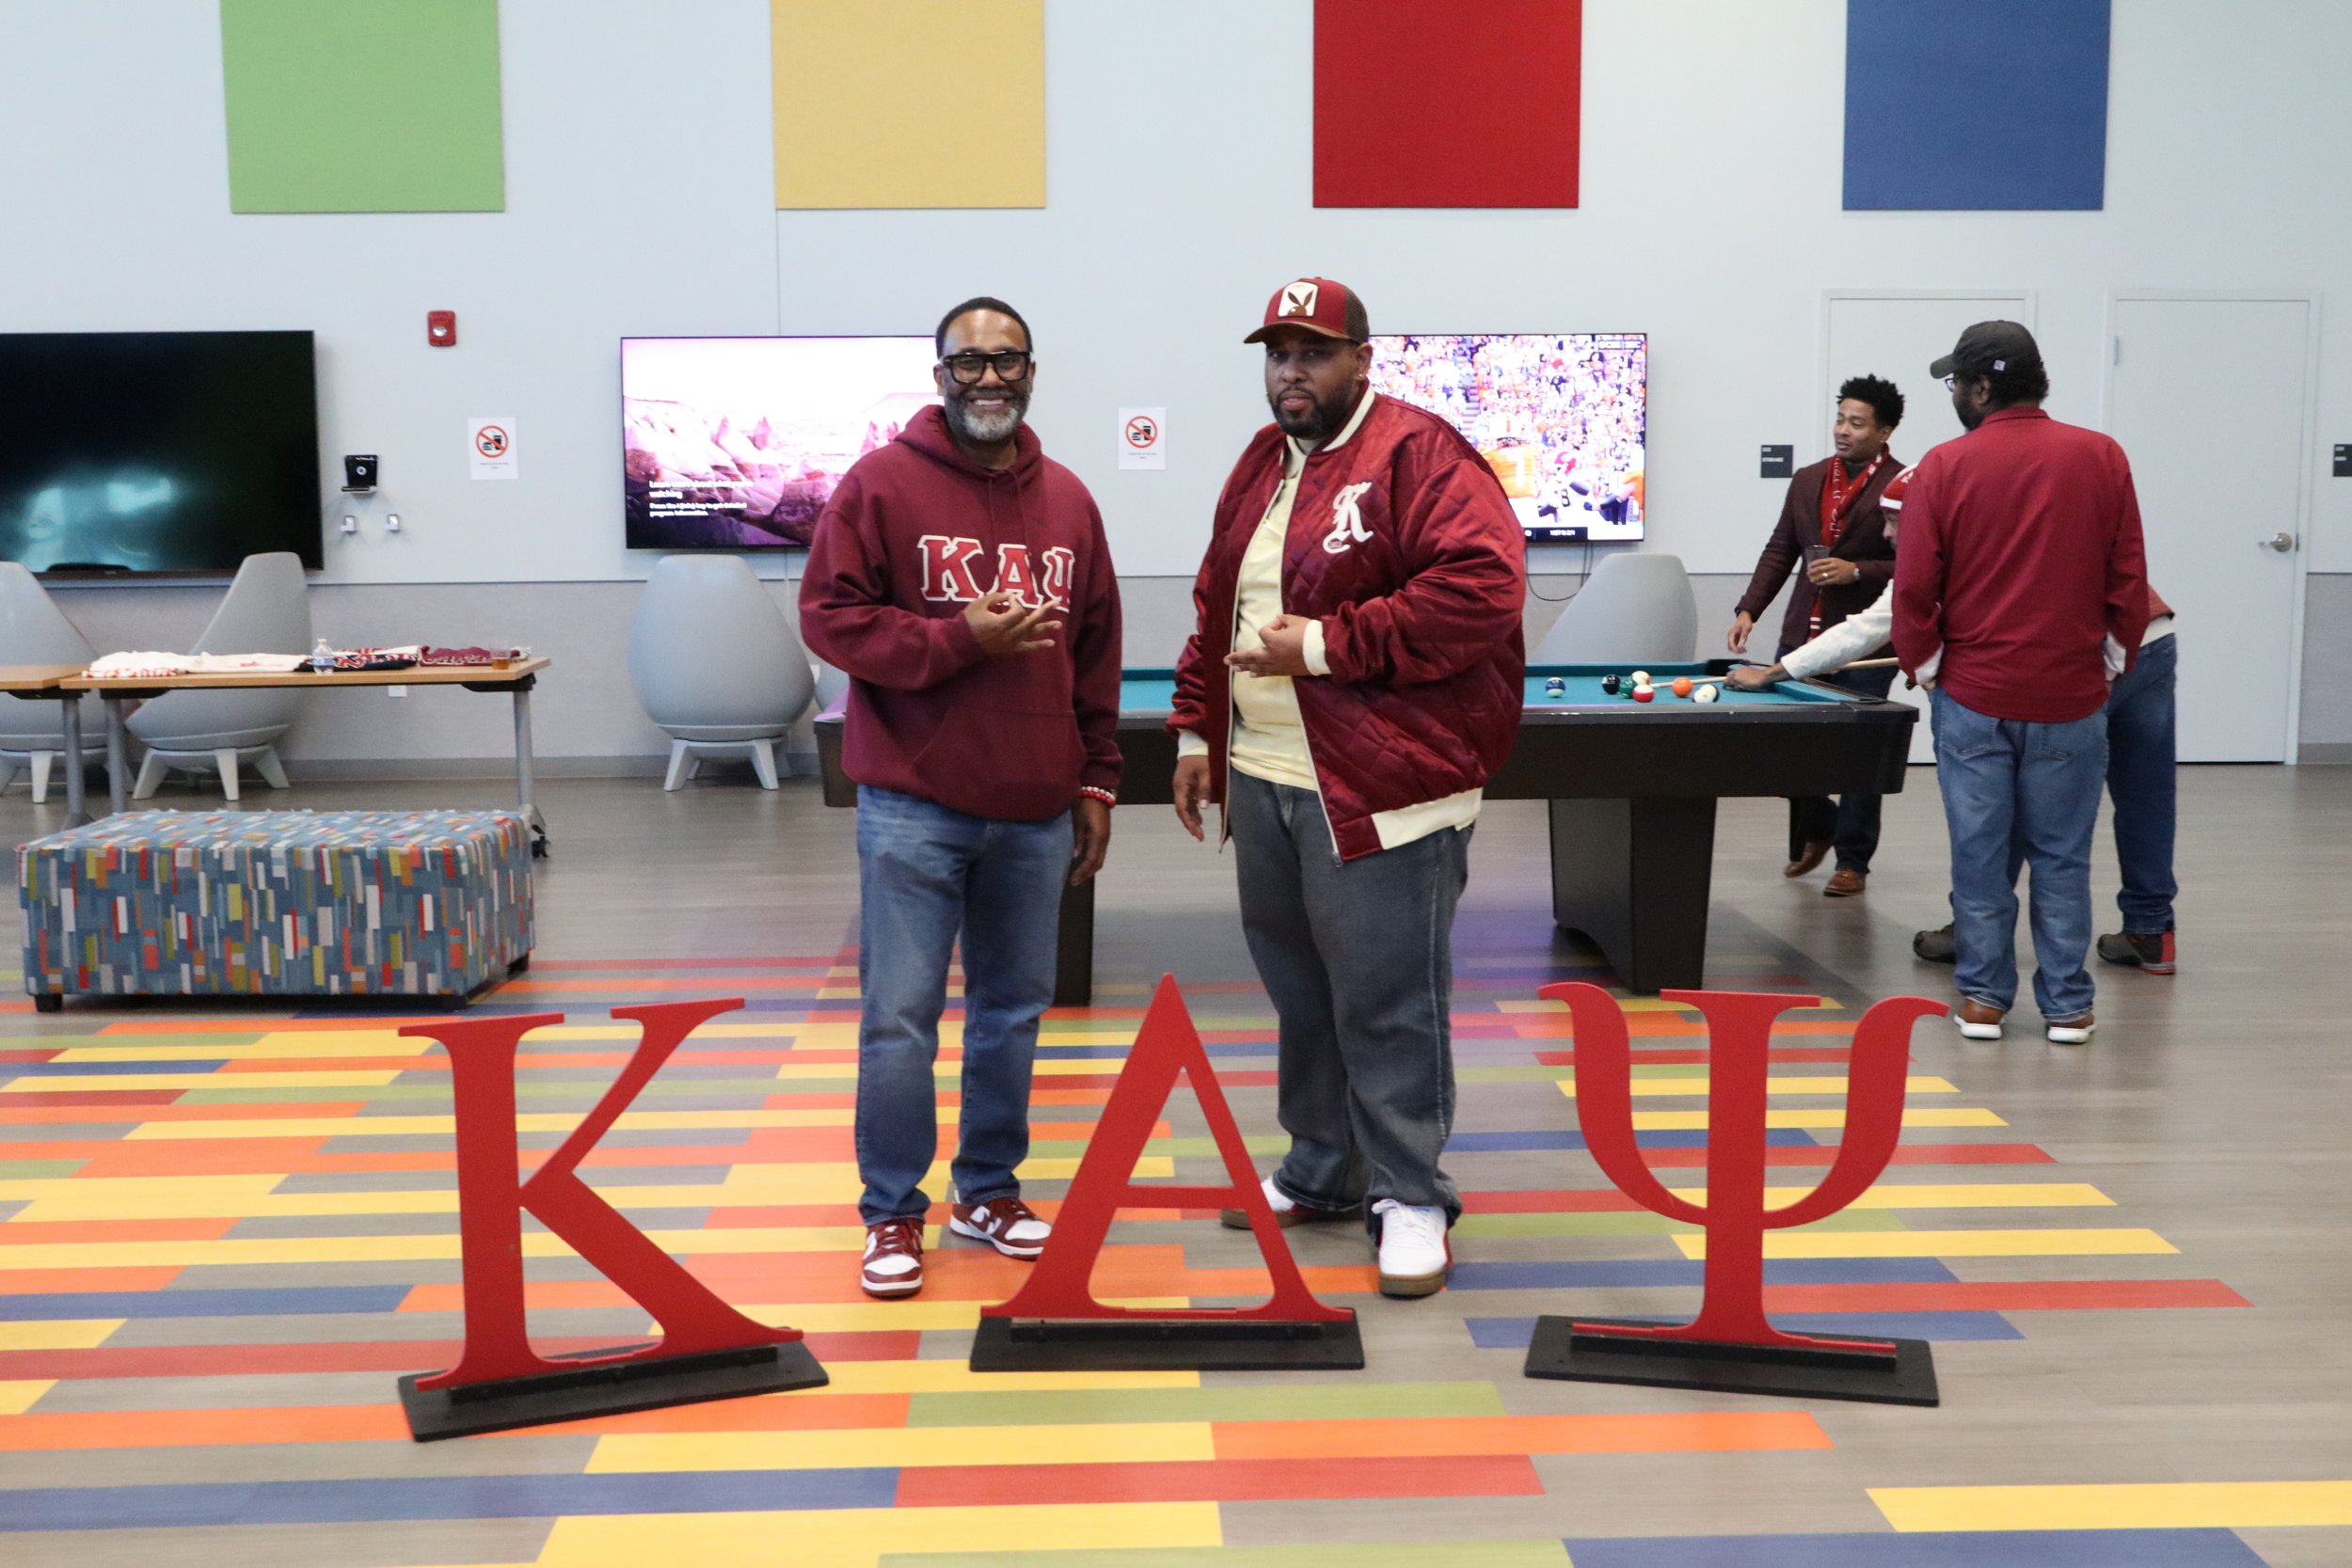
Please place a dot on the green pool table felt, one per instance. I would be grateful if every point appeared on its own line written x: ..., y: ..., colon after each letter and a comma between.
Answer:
x: 1155, y: 690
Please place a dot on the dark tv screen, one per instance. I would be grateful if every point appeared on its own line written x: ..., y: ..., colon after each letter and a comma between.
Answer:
x: 157, y: 452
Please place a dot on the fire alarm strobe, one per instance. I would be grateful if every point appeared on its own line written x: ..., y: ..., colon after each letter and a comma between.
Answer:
x: 440, y: 328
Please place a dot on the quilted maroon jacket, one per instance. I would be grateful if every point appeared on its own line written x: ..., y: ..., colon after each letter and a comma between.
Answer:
x: 1402, y: 544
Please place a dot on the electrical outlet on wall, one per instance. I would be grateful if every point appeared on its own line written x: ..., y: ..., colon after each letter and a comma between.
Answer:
x: 396, y: 692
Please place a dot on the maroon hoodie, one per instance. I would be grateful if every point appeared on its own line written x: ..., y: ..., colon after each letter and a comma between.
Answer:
x: 916, y: 532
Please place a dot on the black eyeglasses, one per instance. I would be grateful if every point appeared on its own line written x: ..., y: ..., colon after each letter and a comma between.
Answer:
x: 1011, y: 364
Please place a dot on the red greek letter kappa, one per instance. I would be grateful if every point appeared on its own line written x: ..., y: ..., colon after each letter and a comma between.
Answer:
x: 491, y: 1202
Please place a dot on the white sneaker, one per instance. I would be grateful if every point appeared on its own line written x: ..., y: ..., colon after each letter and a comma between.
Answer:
x: 1414, y: 1254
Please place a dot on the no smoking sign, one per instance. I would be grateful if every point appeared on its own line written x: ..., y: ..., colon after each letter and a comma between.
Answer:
x: 490, y: 446
x: 1143, y: 438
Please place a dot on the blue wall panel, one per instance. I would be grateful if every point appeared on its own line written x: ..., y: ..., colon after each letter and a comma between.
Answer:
x: 1994, y: 104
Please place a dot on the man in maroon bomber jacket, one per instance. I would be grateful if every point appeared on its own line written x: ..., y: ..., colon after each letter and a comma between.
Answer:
x: 960, y: 579
x: 1352, y: 680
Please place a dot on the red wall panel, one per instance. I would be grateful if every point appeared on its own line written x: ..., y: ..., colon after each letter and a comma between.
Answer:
x: 1447, y: 103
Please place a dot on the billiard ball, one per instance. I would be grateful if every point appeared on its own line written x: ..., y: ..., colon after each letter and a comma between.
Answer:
x: 1609, y: 684
x: 1641, y: 677
x: 1704, y: 694
x: 1643, y: 693
x: 1555, y: 688
x: 1682, y: 686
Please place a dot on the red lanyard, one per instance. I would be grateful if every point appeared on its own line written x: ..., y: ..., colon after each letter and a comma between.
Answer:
x: 1838, y: 496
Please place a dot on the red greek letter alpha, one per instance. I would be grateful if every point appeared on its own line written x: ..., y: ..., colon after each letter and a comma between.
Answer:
x: 1014, y: 574
x: 1057, y: 1286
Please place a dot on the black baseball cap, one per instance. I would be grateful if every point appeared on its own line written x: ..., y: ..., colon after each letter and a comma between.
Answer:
x: 1989, y: 346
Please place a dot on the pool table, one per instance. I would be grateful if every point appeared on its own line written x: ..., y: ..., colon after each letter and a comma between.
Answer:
x: 1630, y: 788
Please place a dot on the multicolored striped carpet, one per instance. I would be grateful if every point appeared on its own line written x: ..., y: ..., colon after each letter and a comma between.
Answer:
x: 227, y: 1231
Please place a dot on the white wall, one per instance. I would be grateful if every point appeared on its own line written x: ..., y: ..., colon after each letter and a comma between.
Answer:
x: 639, y: 187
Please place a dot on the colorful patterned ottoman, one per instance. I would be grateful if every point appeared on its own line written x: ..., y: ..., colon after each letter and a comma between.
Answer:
x: 277, y: 903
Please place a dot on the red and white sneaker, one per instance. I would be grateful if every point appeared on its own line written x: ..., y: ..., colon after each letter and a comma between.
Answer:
x: 1004, y: 1223
x: 894, y: 1258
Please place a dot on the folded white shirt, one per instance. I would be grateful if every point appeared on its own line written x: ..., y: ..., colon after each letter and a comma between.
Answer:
x: 111, y: 666
x: 240, y: 664
x: 141, y: 665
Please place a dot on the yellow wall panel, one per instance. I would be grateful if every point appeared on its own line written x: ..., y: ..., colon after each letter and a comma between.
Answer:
x: 913, y: 103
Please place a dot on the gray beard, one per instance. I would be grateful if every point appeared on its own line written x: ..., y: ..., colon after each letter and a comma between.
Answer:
x: 986, y: 429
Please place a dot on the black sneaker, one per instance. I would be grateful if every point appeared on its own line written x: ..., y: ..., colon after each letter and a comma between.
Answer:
x: 2149, y: 951
x: 1938, y: 947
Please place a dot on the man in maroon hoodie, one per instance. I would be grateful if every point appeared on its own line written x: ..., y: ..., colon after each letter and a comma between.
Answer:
x: 1351, y: 684
x: 960, y: 579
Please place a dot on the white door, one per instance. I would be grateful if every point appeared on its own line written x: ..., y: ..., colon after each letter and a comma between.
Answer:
x: 2206, y: 396
x: 1898, y: 336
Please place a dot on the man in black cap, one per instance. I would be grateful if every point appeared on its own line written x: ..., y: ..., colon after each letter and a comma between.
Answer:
x: 2021, y: 593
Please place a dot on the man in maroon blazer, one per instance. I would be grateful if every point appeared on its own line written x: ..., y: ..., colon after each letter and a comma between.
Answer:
x: 1830, y: 524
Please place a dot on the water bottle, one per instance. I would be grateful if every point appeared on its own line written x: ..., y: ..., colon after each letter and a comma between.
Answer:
x: 321, y: 658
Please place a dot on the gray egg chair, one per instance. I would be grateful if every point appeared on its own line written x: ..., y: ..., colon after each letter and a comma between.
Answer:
x: 716, y: 663
x: 267, y: 610
x: 1633, y: 610
x: 33, y: 630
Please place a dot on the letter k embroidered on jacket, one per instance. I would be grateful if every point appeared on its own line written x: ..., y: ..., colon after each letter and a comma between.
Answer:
x: 1347, y: 524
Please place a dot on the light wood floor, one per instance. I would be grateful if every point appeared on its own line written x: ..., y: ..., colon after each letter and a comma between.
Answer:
x: 2210, y: 1116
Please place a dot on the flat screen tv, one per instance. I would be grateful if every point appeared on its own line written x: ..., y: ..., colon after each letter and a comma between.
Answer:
x: 157, y: 452
x: 1562, y: 418
x: 736, y: 443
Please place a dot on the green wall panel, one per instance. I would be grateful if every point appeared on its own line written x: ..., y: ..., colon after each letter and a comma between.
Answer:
x: 363, y: 105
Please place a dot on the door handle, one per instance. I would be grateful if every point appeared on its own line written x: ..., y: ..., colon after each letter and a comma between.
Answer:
x: 2281, y: 542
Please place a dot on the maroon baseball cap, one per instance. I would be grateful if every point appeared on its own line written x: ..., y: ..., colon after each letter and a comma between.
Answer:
x: 1316, y: 305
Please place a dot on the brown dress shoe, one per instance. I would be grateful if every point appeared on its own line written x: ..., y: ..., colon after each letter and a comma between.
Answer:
x: 1844, y: 883
x: 2070, y: 1031
x: 1816, y: 852
x: 1288, y: 1211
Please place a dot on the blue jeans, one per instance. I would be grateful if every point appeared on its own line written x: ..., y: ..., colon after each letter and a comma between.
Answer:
x: 1359, y: 960
x: 2140, y: 782
x: 2032, y: 788
x: 923, y: 873
x: 1850, y: 823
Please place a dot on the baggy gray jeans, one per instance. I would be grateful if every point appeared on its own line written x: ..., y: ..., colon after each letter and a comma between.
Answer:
x: 1359, y: 959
